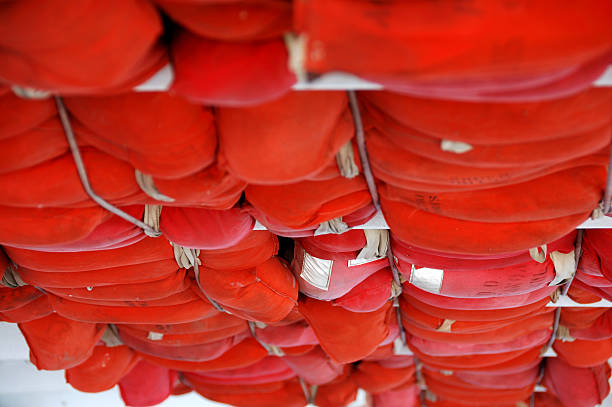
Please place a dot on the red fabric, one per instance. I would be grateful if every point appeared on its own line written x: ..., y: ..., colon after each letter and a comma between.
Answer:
x: 186, y: 310
x: 408, y: 253
x: 13, y: 298
x: 146, y: 251
x: 314, y: 367
x: 58, y: 343
x: 243, y: 354
x: 337, y: 329
x: 142, y: 336
x: 39, y: 228
x: 492, y: 124
x: 493, y: 315
x: 103, y: 370
x: 581, y: 317
x: 507, y: 362
x: 265, y: 293
x: 285, y: 141
x: 184, y: 226
x: 158, y: 133
x: 358, y: 217
x: 202, y: 352
x: 241, y: 20
x: 20, y: 115
x: 212, y: 188
x: 500, y: 381
x: 215, y: 321
x: 464, y: 52
x: 404, y: 396
x: 491, y: 303
x: 525, y: 339
x: 421, y: 320
x: 546, y: 400
x: 477, y: 396
x: 343, y: 277
x: 254, y: 249
x: 16, y: 151
x: 579, y: 293
x: 138, y: 293
x: 47, y: 48
x: 110, y: 177
x: 350, y: 241
x: 415, y: 226
x: 404, y: 169
x: 339, y: 393
x: 137, y: 273
x: 600, y: 329
x: 39, y: 308
x: 375, y: 379
x: 581, y: 353
x: 288, y: 394
x: 147, y: 385
x: 268, y: 370
x: 369, y: 295
x: 599, y: 241
x: 306, y: 204
x: 296, y: 334
x: 580, y: 387
x: 230, y: 73
x: 535, y: 200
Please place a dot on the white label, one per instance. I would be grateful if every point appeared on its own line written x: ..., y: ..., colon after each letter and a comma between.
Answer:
x: 316, y: 272
x: 359, y: 262
x: 155, y: 336
x: 399, y: 348
x: 427, y: 279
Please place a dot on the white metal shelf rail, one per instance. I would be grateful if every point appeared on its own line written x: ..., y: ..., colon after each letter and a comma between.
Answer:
x: 162, y: 80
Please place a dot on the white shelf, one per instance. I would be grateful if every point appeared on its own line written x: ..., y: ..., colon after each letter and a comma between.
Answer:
x: 332, y: 81
x: 378, y: 222
x: 565, y: 301
x: 605, y: 222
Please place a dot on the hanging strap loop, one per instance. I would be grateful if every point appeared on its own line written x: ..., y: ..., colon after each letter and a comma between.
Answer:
x: 361, y: 147
x: 78, y: 160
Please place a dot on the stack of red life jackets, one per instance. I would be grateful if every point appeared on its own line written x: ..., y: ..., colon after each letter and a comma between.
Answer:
x: 492, y: 150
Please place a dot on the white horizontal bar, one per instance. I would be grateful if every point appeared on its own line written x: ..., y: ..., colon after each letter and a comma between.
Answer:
x: 378, y: 222
x: 159, y: 82
x: 162, y: 80
x: 550, y: 353
x: 605, y: 79
x: 565, y: 301
x: 338, y: 81
x: 605, y: 222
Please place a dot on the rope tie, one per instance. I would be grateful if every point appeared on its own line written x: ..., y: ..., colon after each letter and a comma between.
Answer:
x: 147, y: 185
x: 538, y: 253
x: 333, y: 226
x: 11, y: 278
x: 361, y: 147
x: 78, y: 160
x: 187, y: 258
x: 310, y: 392
x: 110, y: 337
x: 196, y: 271
x: 345, y: 159
x: 272, y: 350
x: 152, y: 215
x: 377, y: 244
x: 296, y: 48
